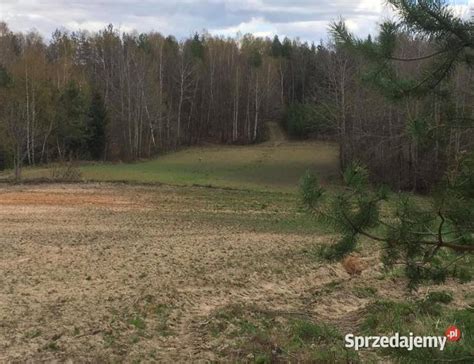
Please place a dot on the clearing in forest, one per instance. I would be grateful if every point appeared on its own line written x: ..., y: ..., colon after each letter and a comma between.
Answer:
x: 275, y: 165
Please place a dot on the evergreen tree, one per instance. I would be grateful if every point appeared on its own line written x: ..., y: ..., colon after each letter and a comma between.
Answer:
x: 96, y: 128
x: 276, y: 49
x: 71, y: 121
x: 429, y: 238
x: 286, y: 48
x: 197, y: 47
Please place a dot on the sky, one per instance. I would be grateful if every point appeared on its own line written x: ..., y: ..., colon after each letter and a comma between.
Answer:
x: 304, y: 19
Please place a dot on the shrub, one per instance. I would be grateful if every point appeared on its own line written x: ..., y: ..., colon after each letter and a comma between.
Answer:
x: 66, y: 171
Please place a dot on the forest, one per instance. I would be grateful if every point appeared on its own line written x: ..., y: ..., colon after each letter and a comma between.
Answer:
x: 128, y: 96
x: 238, y: 199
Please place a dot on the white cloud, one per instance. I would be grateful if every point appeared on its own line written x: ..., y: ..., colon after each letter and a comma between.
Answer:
x: 307, y: 19
x: 257, y: 26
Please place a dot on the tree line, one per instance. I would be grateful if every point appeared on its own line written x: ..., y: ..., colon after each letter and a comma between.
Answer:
x: 128, y: 96
x: 118, y: 96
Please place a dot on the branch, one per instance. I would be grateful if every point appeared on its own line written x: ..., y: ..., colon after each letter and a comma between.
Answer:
x: 456, y: 247
x: 444, y: 68
x: 440, y: 229
x: 446, y: 23
x: 439, y: 243
x: 455, y: 260
x: 418, y: 58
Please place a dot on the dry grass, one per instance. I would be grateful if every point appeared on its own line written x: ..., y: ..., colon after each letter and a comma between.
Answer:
x: 109, y: 273
x: 88, y: 272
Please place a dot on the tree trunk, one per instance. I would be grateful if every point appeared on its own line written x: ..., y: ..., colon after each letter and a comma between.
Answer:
x: 255, y: 128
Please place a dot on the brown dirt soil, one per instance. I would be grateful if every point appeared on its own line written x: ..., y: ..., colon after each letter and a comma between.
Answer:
x: 110, y: 273
x: 60, y: 197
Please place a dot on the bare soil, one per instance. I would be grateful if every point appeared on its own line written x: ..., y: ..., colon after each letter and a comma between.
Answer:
x: 107, y: 273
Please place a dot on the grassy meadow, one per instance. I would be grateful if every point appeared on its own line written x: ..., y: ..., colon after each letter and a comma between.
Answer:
x: 264, y: 167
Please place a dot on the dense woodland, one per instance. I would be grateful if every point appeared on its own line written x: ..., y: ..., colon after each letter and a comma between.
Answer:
x: 114, y: 96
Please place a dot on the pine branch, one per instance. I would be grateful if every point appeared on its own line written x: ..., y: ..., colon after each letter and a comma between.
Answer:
x: 443, y: 69
x: 439, y: 244
x: 421, y: 58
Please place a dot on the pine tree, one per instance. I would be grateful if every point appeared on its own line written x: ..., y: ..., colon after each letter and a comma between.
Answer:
x: 97, y: 121
x: 429, y: 238
x: 276, y: 49
x: 71, y: 121
x: 432, y: 20
x: 197, y: 47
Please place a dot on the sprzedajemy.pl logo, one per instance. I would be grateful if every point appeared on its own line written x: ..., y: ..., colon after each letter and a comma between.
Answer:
x: 408, y: 342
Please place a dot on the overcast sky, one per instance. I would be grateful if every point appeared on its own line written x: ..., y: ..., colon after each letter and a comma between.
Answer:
x: 306, y: 19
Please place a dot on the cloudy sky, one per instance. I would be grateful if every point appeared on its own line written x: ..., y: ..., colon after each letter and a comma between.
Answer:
x: 306, y: 19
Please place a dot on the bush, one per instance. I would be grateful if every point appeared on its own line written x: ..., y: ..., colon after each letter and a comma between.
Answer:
x: 440, y: 296
x: 66, y: 171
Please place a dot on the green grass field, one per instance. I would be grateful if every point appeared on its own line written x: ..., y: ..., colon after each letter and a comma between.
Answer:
x: 264, y: 167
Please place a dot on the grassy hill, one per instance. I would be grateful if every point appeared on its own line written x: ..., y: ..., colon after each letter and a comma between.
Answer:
x: 276, y: 165
x: 255, y: 167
